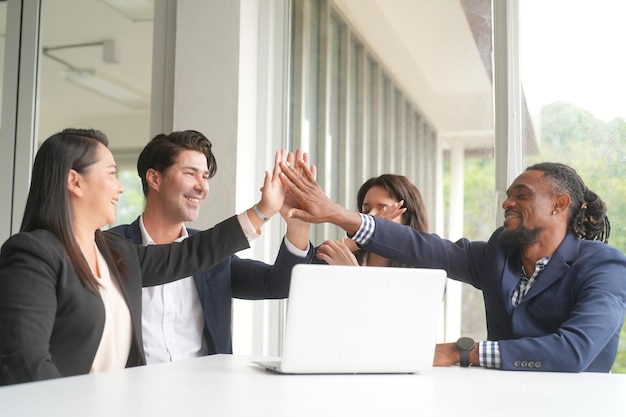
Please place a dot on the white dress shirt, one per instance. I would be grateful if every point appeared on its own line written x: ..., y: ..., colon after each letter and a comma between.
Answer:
x: 172, y: 320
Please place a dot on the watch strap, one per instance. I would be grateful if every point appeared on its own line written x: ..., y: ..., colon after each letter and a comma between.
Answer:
x: 465, y: 360
x: 259, y: 213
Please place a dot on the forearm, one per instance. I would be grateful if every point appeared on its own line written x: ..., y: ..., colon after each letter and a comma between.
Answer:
x: 447, y: 354
x: 350, y: 221
x: 298, y: 234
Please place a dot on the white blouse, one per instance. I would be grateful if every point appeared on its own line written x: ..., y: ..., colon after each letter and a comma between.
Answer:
x: 117, y: 335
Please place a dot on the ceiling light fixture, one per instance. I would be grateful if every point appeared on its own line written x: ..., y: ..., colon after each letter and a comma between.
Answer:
x: 108, y: 87
x: 97, y: 82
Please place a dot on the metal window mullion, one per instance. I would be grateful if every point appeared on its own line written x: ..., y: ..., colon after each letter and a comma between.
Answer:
x: 345, y: 82
x: 377, y: 114
x: 410, y: 155
x: 299, y: 47
x: 324, y: 144
x: 401, y: 136
x: 18, y: 135
x: 390, y: 140
x: 362, y: 133
x: 507, y: 97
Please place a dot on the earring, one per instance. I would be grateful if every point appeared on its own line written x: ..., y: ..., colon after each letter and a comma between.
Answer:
x: 554, y: 212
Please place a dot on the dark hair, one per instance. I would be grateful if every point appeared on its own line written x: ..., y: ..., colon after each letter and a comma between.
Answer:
x: 587, y: 211
x: 161, y: 153
x: 48, y: 203
x: 400, y: 188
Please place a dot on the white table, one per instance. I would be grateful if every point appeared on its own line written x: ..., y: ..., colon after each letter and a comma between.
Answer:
x: 225, y: 385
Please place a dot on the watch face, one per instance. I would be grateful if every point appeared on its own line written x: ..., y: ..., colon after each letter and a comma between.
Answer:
x: 465, y: 343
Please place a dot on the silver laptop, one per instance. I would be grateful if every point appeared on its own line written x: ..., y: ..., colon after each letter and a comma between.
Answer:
x: 351, y: 319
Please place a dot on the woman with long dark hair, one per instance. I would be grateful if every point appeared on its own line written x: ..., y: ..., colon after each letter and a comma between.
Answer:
x: 70, y: 294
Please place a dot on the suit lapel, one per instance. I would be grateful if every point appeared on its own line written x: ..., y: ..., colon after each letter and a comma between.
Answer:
x: 557, y: 267
x: 510, y: 278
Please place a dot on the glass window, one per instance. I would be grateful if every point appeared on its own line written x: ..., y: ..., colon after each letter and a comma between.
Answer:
x: 573, y: 78
x: 97, y: 75
x: 421, y: 77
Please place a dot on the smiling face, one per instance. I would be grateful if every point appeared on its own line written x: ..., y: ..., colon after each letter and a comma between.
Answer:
x: 182, y: 187
x: 528, y: 208
x: 376, y: 199
x: 100, y: 190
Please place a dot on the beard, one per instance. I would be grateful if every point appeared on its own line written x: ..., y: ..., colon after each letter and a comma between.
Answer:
x: 518, y: 238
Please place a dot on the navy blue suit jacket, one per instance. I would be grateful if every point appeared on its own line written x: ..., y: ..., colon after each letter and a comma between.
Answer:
x: 235, y: 277
x: 570, y: 319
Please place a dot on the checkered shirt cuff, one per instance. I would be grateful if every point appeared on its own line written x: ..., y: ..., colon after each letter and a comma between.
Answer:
x: 489, y: 354
x: 365, y: 234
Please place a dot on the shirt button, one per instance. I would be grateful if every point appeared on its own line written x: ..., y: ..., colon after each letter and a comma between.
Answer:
x: 516, y: 364
x: 531, y: 364
x: 524, y: 364
x: 538, y: 364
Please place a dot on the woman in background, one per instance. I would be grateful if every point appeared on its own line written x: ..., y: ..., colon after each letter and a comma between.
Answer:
x: 374, y: 197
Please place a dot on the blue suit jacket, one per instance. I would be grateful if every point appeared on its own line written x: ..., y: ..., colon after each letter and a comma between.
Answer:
x: 570, y: 319
x: 235, y: 277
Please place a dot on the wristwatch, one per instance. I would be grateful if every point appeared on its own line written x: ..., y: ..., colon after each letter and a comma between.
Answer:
x: 465, y: 346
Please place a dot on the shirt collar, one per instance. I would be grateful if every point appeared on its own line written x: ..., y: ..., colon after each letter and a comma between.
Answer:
x: 147, y: 240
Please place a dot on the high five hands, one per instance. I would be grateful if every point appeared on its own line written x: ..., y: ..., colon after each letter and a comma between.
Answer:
x: 314, y: 206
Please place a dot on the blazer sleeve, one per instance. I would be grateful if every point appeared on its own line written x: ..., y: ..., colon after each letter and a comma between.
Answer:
x: 160, y: 264
x: 462, y: 260
x: 28, y: 304
x: 256, y: 280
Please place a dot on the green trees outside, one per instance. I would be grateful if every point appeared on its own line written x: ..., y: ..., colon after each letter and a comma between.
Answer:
x: 132, y: 202
x: 571, y: 135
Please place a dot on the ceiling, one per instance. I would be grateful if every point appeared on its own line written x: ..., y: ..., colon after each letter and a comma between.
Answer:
x: 431, y: 50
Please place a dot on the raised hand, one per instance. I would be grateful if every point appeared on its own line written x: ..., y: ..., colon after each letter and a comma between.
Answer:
x: 290, y: 202
x: 297, y: 230
x: 314, y: 205
x: 391, y: 211
x: 273, y: 191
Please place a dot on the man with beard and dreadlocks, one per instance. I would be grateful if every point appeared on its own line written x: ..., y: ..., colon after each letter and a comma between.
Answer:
x: 554, y: 290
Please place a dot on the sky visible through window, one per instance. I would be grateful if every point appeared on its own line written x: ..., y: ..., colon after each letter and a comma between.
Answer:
x: 572, y: 51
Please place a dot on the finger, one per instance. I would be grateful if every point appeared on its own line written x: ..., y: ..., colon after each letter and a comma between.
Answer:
x: 295, y: 213
x: 291, y: 174
x: 289, y: 184
x: 306, y: 170
x: 299, y: 154
x: 324, y: 257
x: 267, y: 182
x: 278, y: 158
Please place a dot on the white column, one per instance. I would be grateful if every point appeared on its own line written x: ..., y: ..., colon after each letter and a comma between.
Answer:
x: 455, y: 232
x: 229, y: 83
